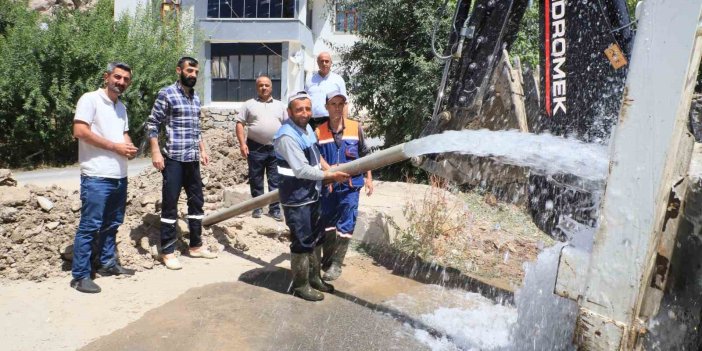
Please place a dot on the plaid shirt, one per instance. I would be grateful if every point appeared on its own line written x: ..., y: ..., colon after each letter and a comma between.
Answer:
x: 181, y: 115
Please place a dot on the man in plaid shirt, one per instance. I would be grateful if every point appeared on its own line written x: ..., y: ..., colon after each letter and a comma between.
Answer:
x: 178, y: 108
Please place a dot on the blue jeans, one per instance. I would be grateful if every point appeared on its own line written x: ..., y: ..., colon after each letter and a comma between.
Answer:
x: 262, y: 161
x: 102, y: 212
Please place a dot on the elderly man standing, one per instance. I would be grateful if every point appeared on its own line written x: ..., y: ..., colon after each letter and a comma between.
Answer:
x: 319, y: 85
x: 178, y: 108
x: 262, y: 118
x: 341, y: 140
x: 300, y: 183
x: 104, y: 146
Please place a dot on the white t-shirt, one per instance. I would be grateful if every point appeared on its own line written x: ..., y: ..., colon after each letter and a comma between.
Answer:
x: 318, y: 87
x: 108, y: 120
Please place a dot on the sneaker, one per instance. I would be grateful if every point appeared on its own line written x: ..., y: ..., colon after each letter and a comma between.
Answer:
x: 257, y: 213
x: 114, y: 270
x: 203, y: 253
x: 85, y: 285
x: 276, y: 216
x: 171, y: 262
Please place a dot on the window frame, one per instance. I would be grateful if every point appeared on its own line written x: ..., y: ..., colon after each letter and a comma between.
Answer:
x: 349, y: 11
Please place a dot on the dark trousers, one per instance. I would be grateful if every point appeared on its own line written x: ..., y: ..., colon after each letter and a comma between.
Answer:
x: 176, y: 176
x: 306, y: 228
x: 262, y: 161
x: 102, y: 212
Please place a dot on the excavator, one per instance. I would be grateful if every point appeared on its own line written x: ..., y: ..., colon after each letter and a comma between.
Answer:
x: 604, y: 77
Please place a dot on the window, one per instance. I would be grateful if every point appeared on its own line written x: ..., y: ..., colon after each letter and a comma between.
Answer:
x: 219, y: 67
x: 348, y: 20
x: 251, y: 8
x: 235, y: 68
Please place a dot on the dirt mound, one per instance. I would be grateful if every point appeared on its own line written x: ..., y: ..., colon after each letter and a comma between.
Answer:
x: 37, y: 224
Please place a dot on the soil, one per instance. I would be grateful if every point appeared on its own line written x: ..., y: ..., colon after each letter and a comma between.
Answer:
x: 36, y: 243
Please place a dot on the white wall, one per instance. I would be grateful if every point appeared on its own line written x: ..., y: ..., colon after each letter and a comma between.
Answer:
x: 128, y: 6
x: 323, y: 31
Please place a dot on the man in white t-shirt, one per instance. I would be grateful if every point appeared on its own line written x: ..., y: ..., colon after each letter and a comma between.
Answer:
x: 104, y: 146
x: 319, y: 85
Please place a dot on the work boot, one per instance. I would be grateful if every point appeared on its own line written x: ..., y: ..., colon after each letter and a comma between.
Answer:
x: 334, y: 271
x: 85, y: 285
x: 299, y: 265
x: 328, y: 248
x: 316, y: 281
x: 114, y: 270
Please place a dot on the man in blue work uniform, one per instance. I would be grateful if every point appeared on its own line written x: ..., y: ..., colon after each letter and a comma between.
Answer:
x: 340, y: 140
x: 300, y: 181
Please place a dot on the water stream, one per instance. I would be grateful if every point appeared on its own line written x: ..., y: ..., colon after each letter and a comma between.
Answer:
x: 539, y: 319
x: 542, y: 153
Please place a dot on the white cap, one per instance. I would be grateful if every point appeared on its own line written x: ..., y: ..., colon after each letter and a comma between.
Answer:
x: 299, y: 95
x: 336, y: 93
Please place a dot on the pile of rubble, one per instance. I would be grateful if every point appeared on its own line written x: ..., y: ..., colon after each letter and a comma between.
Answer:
x: 37, y: 224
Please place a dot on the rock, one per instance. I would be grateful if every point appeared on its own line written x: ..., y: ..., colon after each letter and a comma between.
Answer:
x: 150, y: 198
x: 144, y: 243
x: 76, y: 206
x: 182, y: 228
x: 17, y: 236
x: 8, y: 214
x: 152, y: 219
x: 14, y: 196
x: 271, y: 230
x: 6, y: 178
x: 233, y: 196
x: 45, y: 203
x: 490, y: 199
x: 148, y: 264
x: 52, y: 225
x: 42, y: 5
x: 213, y: 198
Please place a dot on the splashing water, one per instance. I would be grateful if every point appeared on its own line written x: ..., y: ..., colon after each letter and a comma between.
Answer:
x: 465, y: 320
x: 540, y: 319
x: 543, y: 153
x: 545, y: 320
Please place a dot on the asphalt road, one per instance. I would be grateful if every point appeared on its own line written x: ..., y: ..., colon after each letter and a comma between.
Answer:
x: 69, y: 177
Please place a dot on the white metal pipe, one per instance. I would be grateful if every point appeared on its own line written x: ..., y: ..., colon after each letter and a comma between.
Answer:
x: 373, y: 161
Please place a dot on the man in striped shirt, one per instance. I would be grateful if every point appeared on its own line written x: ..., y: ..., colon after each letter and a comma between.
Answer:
x: 178, y: 108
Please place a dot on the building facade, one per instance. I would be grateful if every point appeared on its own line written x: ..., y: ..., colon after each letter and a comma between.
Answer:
x: 238, y: 40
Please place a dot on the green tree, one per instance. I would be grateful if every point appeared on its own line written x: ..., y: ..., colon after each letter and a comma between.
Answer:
x: 391, y: 70
x: 48, y: 62
x: 527, y: 44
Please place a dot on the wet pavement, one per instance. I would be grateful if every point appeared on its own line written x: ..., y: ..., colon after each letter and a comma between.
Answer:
x: 256, y: 313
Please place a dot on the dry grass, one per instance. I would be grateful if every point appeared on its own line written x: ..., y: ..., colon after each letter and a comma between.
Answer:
x: 464, y: 231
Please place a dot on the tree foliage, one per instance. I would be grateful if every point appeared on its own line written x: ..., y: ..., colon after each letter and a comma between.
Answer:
x: 391, y: 71
x: 48, y: 62
x: 528, y: 41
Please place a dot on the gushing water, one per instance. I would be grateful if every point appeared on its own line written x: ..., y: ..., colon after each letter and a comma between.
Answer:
x: 540, y: 319
x: 542, y: 153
